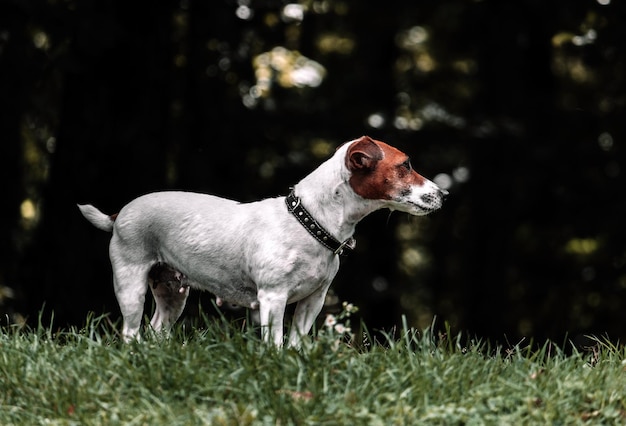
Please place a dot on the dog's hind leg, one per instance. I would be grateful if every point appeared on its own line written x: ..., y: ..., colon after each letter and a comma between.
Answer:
x: 130, y: 280
x: 130, y: 284
x: 170, y: 291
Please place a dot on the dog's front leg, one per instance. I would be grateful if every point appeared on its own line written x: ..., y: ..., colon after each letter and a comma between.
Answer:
x: 272, y: 311
x: 306, y: 312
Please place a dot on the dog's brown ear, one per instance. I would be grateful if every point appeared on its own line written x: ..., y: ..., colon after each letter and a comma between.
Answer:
x: 363, y: 155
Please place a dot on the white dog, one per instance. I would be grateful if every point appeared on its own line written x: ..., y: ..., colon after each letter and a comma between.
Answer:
x: 264, y: 254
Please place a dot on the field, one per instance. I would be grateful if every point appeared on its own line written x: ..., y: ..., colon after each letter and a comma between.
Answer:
x: 219, y: 373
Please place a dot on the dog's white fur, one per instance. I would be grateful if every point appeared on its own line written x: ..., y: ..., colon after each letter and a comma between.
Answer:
x: 254, y: 254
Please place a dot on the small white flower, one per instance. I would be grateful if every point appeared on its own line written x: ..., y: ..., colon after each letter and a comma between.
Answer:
x: 340, y: 328
x: 349, y: 308
x: 330, y: 321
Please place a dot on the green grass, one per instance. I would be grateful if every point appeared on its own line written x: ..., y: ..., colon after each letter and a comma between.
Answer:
x: 217, y: 373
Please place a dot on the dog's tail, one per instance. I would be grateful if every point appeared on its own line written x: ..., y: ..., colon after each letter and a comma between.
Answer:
x: 97, y: 218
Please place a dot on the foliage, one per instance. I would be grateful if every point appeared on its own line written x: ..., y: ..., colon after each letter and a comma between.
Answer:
x: 218, y: 373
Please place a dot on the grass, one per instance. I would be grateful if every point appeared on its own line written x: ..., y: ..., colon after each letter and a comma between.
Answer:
x: 217, y: 373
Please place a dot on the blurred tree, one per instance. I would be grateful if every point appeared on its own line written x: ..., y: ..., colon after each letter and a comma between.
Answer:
x: 513, y: 106
x: 12, y: 108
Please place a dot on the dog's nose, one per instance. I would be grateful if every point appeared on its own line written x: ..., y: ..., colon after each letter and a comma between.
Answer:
x: 443, y: 193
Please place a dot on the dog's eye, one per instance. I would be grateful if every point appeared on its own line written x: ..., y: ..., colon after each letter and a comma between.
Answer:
x: 407, y: 164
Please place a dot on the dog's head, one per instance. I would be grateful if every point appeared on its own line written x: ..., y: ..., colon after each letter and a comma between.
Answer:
x: 382, y: 172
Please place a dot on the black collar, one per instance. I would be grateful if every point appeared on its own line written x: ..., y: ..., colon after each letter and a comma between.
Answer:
x: 315, y: 229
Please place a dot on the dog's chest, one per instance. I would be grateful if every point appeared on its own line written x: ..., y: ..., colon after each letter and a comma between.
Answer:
x: 297, y: 273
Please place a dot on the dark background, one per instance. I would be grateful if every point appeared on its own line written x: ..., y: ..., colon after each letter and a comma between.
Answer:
x: 518, y: 107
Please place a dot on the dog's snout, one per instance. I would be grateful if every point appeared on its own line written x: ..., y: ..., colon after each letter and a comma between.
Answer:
x: 428, y: 199
x: 438, y: 196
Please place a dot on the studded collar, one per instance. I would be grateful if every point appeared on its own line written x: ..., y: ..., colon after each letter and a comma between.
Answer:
x: 294, y: 205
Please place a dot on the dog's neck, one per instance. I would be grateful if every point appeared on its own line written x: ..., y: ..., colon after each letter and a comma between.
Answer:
x: 326, y: 193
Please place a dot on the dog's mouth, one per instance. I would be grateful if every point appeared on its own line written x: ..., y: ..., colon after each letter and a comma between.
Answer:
x: 414, y: 208
x: 422, y: 206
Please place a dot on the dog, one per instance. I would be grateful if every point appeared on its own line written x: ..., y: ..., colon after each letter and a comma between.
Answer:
x: 264, y: 254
